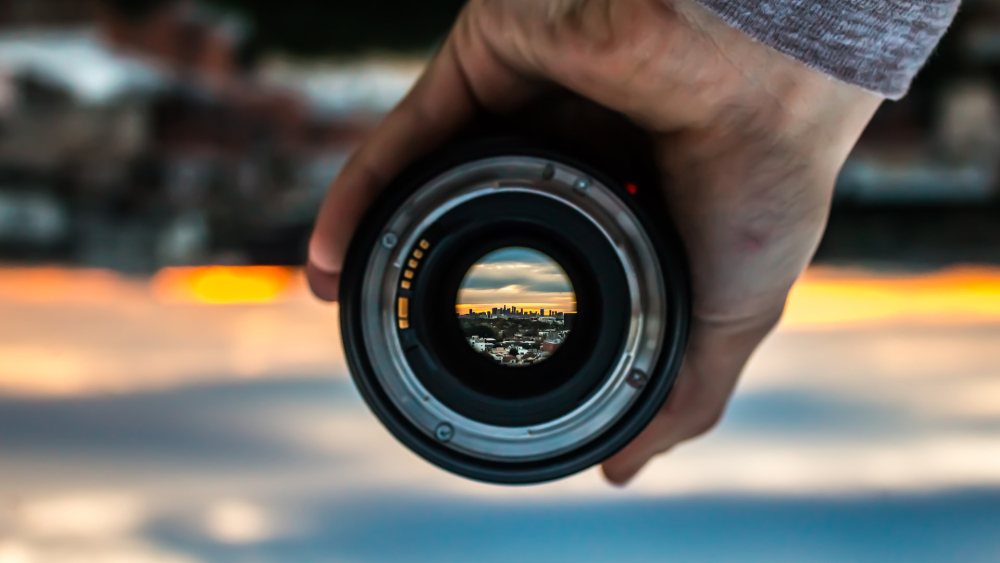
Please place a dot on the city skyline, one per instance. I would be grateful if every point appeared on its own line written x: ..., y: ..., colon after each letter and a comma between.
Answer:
x: 464, y: 308
x: 516, y: 277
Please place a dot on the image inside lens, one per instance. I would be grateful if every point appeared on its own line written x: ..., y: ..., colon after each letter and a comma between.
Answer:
x: 516, y: 306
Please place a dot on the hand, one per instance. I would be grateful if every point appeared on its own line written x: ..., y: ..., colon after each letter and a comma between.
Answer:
x: 752, y: 142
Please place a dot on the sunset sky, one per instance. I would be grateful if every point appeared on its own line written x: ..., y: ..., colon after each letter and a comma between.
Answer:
x: 516, y: 276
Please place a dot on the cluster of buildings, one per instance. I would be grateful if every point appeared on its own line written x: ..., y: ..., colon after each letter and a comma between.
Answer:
x: 515, y: 336
x: 521, y: 350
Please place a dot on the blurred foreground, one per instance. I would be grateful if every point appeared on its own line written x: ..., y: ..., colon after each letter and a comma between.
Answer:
x: 206, y: 414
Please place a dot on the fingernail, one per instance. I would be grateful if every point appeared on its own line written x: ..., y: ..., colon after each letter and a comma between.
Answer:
x: 323, y: 285
x: 616, y: 477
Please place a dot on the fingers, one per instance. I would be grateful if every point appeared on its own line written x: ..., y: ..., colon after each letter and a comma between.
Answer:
x: 437, y: 106
x: 324, y: 285
x: 716, y: 355
x: 462, y: 79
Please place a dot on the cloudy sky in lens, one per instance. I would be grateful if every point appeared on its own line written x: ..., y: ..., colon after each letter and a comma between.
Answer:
x: 516, y: 276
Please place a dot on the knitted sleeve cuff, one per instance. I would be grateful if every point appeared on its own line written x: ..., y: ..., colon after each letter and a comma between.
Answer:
x: 878, y: 45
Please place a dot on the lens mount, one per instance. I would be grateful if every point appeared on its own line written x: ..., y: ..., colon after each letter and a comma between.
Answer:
x: 529, y: 424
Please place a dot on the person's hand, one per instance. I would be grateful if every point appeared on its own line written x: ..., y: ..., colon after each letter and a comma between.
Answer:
x: 750, y: 140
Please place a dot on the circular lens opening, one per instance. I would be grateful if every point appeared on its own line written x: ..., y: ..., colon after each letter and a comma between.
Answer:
x: 516, y: 306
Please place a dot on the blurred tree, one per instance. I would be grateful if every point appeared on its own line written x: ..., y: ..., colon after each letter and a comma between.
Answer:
x: 135, y: 9
x: 307, y: 29
x: 481, y: 330
x: 343, y: 27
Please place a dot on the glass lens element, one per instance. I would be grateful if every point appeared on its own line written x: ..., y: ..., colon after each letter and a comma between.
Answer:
x: 516, y: 306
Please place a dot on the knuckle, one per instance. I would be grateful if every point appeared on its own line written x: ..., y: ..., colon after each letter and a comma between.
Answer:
x: 705, y: 420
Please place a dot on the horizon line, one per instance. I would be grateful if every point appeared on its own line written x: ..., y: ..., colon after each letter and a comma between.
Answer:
x: 463, y: 308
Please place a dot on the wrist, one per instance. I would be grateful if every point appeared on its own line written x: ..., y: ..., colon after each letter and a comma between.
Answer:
x: 770, y: 94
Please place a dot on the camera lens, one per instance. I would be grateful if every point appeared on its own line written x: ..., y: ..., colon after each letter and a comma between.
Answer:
x: 513, y: 314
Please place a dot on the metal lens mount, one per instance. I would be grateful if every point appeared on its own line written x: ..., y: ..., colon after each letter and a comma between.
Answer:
x: 485, y: 421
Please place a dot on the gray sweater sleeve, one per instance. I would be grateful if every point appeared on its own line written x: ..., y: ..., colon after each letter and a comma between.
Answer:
x: 876, y: 44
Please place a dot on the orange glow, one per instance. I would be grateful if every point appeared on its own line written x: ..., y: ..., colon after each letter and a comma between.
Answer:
x: 67, y: 332
x: 826, y: 297
x: 73, y: 331
x: 223, y: 285
x: 49, y: 285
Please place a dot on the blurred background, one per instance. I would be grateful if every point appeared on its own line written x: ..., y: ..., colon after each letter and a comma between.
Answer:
x: 169, y: 391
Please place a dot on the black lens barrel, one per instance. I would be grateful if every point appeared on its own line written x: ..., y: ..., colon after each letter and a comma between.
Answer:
x: 458, y: 380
